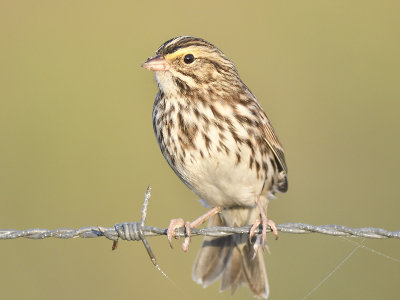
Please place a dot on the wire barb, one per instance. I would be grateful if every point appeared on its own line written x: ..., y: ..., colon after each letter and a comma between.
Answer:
x: 133, y: 231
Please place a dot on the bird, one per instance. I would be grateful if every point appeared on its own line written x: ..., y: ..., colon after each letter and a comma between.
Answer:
x: 218, y: 140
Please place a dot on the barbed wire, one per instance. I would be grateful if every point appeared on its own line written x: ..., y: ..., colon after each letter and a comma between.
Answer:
x: 130, y: 231
x: 138, y: 231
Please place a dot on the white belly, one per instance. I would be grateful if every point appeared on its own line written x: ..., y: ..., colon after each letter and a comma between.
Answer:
x: 218, y: 181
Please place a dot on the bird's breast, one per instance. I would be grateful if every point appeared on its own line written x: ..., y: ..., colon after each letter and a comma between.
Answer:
x: 212, y: 152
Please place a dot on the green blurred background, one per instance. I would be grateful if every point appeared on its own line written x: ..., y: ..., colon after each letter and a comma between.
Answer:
x: 77, y: 145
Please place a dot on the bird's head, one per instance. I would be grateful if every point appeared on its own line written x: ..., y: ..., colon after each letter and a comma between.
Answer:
x: 187, y: 64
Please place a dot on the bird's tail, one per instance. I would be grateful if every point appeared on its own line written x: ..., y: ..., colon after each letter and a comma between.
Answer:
x: 231, y: 257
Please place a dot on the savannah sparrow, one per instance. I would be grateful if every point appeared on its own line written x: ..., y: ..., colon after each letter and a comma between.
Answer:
x: 216, y: 137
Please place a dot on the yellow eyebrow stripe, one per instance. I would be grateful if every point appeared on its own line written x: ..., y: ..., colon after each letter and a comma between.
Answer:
x: 180, y: 52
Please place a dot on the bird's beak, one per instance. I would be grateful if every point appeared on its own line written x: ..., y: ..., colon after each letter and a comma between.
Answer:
x: 156, y: 63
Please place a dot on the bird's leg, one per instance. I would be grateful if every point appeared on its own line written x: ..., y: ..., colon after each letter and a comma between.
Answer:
x: 265, y: 222
x: 178, y: 223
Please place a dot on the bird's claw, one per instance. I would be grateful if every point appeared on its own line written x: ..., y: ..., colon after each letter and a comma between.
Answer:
x: 257, y: 223
x: 274, y: 230
x: 185, y: 244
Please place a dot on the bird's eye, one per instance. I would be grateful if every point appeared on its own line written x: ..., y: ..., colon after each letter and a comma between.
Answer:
x: 188, y: 59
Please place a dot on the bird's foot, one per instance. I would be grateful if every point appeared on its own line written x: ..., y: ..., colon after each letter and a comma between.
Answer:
x: 179, y: 223
x: 171, y: 232
x: 262, y: 238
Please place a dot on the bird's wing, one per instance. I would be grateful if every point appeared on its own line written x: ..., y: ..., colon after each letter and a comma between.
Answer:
x: 270, y: 136
x: 276, y: 147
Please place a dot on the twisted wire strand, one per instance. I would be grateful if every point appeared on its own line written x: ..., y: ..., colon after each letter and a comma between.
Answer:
x: 138, y: 231
x: 135, y: 231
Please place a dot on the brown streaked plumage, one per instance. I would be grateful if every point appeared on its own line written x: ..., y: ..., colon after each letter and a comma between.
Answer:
x: 215, y: 136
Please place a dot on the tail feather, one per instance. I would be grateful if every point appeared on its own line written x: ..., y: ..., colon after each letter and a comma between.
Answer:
x: 208, y: 265
x: 233, y: 273
x: 232, y: 258
x: 255, y: 273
